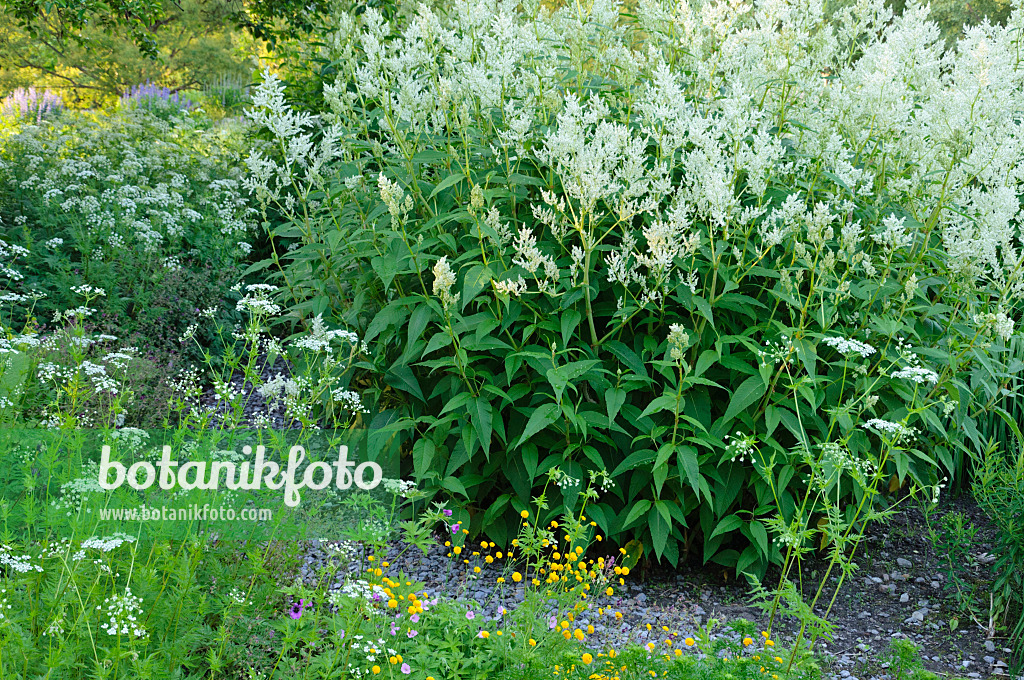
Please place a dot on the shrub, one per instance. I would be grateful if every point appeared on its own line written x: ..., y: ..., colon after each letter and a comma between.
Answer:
x: 644, y: 244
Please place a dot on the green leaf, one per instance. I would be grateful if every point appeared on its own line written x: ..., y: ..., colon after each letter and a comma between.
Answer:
x: 455, y: 486
x: 760, y: 535
x: 570, y: 320
x: 386, y: 268
x: 448, y: 181
x: 689, y: 467
x: 392, y: 315
x: 614, y: 398
x: 660, y: 528
x: 725, y: 525
x: 542, y: 417
x: 422, y: 456
x: 636, y: 512
x: 477, y: 278
x: 627, y: 357
x: 418, y: 322
x: 752, y: 389
x: 482, y: 420
x: 402, y: 378
x: 561, y: 377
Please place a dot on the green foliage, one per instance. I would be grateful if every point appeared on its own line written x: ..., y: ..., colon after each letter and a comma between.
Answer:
x: 588, y: 271
x: 999, y: 489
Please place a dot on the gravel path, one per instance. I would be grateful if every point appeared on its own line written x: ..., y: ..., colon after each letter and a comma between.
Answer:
x: 898, y: 593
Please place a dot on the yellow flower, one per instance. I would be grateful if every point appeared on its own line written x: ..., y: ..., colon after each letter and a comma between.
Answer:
x: 609, y: 591
x: 533, y: 643
x: 747, y: 641
x: 484, y: 634
x: 524, y: 514
x: 376, y: 670
x: 689, y: 642
x: 769, y: 643
x: 588, y: 659
x: 578, y: 634
x: 457, y: 550
x: 392, y: 604
x: 517, y: 577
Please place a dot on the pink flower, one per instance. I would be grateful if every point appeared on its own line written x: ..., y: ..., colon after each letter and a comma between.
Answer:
x: 415, y: 618
x: 447, y: 512
x: 470, y: 615
x: 406, y: 669
x: 412, y: 634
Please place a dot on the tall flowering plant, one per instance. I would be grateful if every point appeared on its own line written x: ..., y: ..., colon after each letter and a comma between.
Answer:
x: 639, y: 243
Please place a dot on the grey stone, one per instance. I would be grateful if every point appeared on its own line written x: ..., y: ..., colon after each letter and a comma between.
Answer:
x: 906, y: 564
x: 904, y: 597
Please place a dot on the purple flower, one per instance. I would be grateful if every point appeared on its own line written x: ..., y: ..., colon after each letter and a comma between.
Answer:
x: 470, y: 615
x: 411, y: 634
x: 447, y: 512
x: 552, y: 622
x: 455, y: 528
x: 415, y: 618
x: 297, y: 609
x: 406, y: 669
x: 394, y: 629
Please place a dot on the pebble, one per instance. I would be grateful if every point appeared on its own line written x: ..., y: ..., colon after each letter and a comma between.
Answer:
x: 906, y: 564
x: 905, y: 597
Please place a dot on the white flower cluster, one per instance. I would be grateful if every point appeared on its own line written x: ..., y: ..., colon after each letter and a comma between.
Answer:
x: 739, y: 446
x: 917, y: 374
x: 20, y: 564
x: 444, y: 279
x: 895, y: 432
x: 123, y: 613
x: 107, y: 543
x: 318, y: 338
x: 257, y: 300
x: 849, y: 347
x: 399, y: 487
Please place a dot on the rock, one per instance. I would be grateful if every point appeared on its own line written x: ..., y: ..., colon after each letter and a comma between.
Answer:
x: 989, y: 659
x: 990, y: 646
x: 905, y: 597
x: 906, y: 564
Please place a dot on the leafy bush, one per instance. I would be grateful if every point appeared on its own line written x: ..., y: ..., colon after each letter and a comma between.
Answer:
x: 654, y: 244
